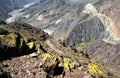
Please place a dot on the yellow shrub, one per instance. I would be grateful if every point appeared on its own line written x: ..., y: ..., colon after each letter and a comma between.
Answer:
x: 26, y: 40
x: 39, y: 51
x: 21, y: 43
x: 33, y: 54
x: 94, y: 69
x: 76, y: 64
x: 2, y: 36
x: 66, y: 63
x: 31, y: 45
x: 55, y: 61
x: 46, y: 56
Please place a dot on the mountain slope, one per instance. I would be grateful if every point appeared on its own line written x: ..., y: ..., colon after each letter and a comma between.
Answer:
x: 29, y: 52
x: 68, y: 21
x: 32, y: 52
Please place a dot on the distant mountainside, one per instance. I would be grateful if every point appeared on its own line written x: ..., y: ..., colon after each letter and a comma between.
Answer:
x: 71, y: 21
x: 7, y: 6
x: 57, y: 16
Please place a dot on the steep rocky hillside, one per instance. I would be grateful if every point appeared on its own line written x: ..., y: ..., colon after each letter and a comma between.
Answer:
x: 29, y: 52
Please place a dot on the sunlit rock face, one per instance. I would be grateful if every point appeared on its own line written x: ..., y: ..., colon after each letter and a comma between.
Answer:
x: 110, y: 8
x: 111, y: 33
x: 88, y: 30
x: 93, y: 27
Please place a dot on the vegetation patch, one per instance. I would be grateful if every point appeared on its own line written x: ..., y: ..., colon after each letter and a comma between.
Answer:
x: 95, y: 70
x: 82, y: 44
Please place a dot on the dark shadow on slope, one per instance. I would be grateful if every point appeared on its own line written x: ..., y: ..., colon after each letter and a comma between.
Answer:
x: 14, y: 52
x: 12, y: 46
x: 5, y: 75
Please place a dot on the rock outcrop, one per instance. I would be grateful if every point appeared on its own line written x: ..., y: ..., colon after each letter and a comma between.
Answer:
x: 88, y: 30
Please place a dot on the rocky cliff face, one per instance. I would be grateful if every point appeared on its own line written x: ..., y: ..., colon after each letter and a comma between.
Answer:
x: 82, y: 31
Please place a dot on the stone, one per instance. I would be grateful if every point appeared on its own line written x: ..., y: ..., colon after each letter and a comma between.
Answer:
x: 43, y: 74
